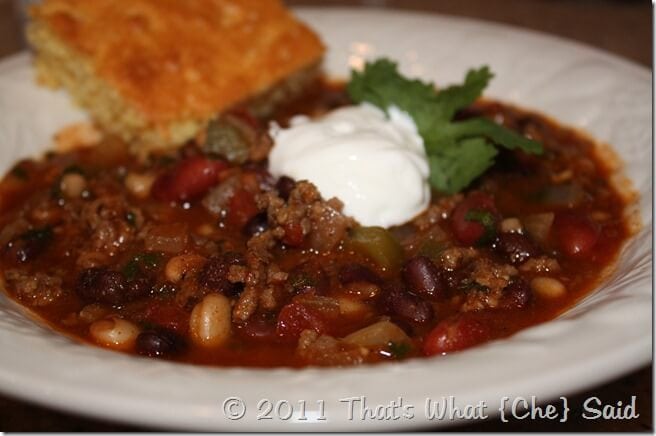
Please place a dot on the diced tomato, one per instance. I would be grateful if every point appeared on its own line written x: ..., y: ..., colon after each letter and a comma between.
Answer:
x: 474, y: 219
x: 576, y: 235
x: 167, y: 315
x: 293, y: 234
x: 456, y: 333
x: 241, y: 208
x: 294, y: 318
x: 190, y: 179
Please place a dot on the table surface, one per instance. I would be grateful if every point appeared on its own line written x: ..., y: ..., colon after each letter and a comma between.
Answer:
x: 623, y: 27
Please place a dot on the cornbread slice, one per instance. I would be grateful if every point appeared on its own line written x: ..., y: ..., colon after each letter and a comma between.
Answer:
x: 155, y: 71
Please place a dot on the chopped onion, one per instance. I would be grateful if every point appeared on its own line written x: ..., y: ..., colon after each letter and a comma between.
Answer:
x: 539, y: 225
x: 378, y: 335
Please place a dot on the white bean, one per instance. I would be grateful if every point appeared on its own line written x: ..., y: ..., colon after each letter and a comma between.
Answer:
x: 548, y: 287
x: 92, y: 312
x: 139, y: 184
x: 115, y: 333
x: 72, y: 185
x: 209, y: 324
x: 511, y: 225
x: 178, y: 266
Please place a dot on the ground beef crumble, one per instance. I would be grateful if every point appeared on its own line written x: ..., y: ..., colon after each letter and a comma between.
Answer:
x: 112, y: 224
x: 489, y: 280
x: 326, y: 350
x: 305, y: 216
x: 37, y: 289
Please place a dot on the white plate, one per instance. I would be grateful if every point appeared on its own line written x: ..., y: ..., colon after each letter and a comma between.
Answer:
x: 606, y: 335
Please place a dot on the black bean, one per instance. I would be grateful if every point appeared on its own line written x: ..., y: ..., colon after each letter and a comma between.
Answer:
x: 423, y: 278
x: 29, y: 245
x: 159, y: 343
x: 358, y: 273
x: 25, y: 251
x: 100, y: 285
x: 285, y: 186
x: 516, y: 295
x: 410, y: 328
x: 214, y: 275
x: 406, y: 305
x: 517, y: 247
x: 256, y: 225
x: 139, y: 287
x: 458, y: 279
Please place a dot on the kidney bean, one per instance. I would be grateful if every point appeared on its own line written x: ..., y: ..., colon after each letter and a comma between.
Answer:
x: 257, y: 224
x: 407, y: 306
x: 474, y: 220
x: 516, y: 295
x: 190, y: 179
x: 518, y: 248
x: 423, y: 278
x: 257, y: 329
x: 159, y: 343
x: 456, y: 333
x: 100, y: 285
x: 285, y: 186
x: 357, y: 273
x: 575, y: 234
x: 214, y: 275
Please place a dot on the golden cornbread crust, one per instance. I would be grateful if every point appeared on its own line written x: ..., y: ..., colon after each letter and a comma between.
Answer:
x: 156, y: 70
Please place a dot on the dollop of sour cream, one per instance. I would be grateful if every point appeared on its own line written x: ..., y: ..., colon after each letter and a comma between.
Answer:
x: 373, y: 161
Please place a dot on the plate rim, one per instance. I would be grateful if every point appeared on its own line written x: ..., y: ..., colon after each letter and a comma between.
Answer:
x: 634, y: 348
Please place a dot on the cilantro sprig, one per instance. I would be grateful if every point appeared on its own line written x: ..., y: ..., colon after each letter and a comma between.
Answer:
x: 458, y: 151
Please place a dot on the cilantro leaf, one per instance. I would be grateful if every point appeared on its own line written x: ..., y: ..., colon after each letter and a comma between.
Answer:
x: 453, y: 168
x: 456, y: 97
x: 458, y: 151
x: 381, y: 85
x: 495, y: 133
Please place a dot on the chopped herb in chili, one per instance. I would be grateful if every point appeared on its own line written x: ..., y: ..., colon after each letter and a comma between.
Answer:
x: 486, y: 219
x: 398, y: 350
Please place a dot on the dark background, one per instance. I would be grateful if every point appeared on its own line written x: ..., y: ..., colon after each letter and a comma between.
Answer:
x: 623, y: 27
